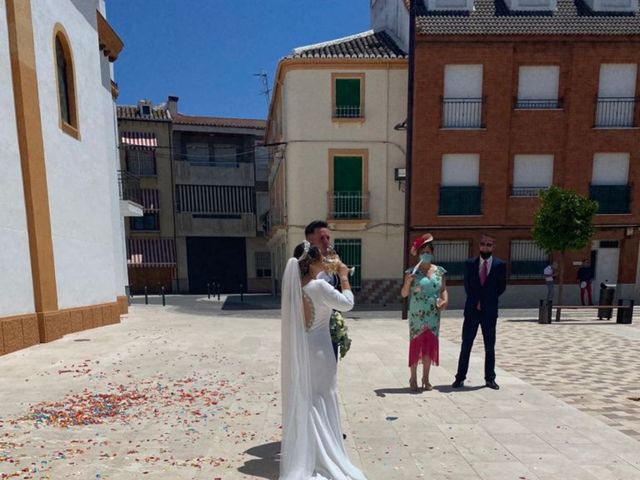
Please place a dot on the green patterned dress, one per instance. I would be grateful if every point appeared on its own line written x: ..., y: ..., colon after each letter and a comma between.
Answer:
x: 424, y: 316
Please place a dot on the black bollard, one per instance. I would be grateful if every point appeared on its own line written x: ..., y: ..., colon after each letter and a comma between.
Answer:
x: 208, y: 290
x: 146, y: 295
x: 241, y: 295
x: 164, y: 303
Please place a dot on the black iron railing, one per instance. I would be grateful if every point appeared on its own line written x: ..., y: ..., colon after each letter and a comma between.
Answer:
x: 129, y: 187
x: 611, y: 198
x: 615, y: 112
x: 462, y: 112
x: 538, y: 103
x: 460, y: 201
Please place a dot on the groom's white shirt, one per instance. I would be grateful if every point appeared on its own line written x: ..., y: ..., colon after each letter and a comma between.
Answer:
x: 324, y: 276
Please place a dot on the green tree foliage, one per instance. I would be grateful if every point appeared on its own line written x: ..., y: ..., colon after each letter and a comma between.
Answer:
x: 563, y: 222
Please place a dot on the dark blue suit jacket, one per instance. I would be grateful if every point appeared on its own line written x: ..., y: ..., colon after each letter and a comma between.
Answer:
x: 488, y: 293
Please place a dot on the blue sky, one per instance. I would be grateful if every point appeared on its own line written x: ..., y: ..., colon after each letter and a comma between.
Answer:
x: 207, y: 51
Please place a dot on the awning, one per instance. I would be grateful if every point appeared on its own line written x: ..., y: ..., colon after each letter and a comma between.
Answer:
x: 151, y: 252
x: 139, y: 139
x: 150, y: 199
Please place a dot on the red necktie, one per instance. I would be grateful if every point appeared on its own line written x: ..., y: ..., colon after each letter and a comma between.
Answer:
x: 483, y: 273
x: 483, y: 277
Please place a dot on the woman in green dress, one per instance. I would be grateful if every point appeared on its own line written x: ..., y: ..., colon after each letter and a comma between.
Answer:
x: 426, y: 288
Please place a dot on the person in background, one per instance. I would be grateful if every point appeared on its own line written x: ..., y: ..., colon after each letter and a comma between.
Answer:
x: 549, y: 278
x: 585, y: 278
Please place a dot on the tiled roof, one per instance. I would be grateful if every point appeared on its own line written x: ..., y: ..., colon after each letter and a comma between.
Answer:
x: 368, y: 44
x: 132, y: 112
x: 493, y: 17
x: 220, y: 122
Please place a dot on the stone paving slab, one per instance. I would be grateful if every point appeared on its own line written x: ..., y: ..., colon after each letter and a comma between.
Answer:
x: 189, y: 391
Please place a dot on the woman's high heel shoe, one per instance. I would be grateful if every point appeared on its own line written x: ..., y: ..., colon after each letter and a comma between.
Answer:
x: 413, y: 385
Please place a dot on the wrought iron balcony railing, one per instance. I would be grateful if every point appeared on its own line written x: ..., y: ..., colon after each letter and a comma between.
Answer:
x: 460, y: 201
x: 611, y: 199
x: 348, y: 111
x: 348, y: 205
x: 129, y: 187
x: 616, y: 112
x: 538, y: 103
x: 527, y: 191
x: 462, y: 112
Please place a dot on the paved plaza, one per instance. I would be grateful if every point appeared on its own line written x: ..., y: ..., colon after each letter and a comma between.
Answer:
x: 191, y: 391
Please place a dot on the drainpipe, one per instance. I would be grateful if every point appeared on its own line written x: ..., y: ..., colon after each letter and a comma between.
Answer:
x: 407, y: 184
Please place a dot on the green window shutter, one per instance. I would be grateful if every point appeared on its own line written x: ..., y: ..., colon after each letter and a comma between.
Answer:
x: 347, y: 174
x: 347, y: 97
x: 347, y: 187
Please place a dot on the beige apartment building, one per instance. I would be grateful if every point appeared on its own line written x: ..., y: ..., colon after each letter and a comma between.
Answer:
x: 337, y: 153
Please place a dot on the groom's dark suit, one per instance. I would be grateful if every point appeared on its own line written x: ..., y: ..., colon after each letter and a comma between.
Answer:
x: 481, y: 309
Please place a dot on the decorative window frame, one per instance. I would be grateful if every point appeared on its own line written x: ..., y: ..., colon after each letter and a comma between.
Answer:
x: 348, y: 76
x: 73, y: 128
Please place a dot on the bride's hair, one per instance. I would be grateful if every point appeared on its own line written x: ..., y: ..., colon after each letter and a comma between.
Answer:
x: 304, y: 261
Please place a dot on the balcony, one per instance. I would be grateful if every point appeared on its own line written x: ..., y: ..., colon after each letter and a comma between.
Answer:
x: 612, y: 199
x: 130, y: 195
x: 615, y: 112
x: 348, y: 205
x: 348, y: 111
x: 525, y: 192
x: 537, y: 104
x: 462, y: 112
x: 460, y: 201
x: 129, y: 187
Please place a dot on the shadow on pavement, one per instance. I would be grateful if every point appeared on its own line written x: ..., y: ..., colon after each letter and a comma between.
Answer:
x: 266, y: 465
x: 450, y: 389
x: 383, y: 392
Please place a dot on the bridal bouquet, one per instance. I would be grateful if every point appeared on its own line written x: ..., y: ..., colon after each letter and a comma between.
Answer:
x: 339, y: 335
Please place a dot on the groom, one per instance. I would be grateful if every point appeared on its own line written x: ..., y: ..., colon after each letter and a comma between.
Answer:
x: 317, y: 233
x: 485, y: 279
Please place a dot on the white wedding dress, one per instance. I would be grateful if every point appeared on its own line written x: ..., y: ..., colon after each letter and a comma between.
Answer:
x: 312, y: 446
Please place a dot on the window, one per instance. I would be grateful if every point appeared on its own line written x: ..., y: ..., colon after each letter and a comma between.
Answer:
x: 348, y: 95
x: 198, y: 153
x: 538, y: 87
x: 215, y: 199
x: 263, y: 265
x: 609, y: 183
x: 616, y: 106
x: 66, y: 84
x: 452, y: 254
x: 348, y: 197
x: 531, y: 174
x: 528, y: 260
x: 350, y: 252
x: 462, y: 102
x: 145, y: 110
x: 460, y: 193
x: 149, y: 222
x: 141, y: 162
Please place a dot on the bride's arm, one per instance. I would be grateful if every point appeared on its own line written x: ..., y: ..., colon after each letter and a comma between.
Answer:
x: 341, y: 301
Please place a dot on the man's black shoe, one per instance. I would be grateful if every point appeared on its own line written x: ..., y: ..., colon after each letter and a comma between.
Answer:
x: 492, y: 384
x: 344, y: 436
x: 458, y: 384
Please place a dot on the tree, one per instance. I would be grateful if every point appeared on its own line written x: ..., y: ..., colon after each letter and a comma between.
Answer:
x: 564, y: 222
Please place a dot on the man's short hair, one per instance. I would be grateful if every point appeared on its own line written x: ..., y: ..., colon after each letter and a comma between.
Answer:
x: 313, y: 226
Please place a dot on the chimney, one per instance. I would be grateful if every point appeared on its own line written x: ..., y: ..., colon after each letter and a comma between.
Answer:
x: 172, y: 105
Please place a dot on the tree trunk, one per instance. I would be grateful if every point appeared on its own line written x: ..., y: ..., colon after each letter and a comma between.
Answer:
x: 561, y: 278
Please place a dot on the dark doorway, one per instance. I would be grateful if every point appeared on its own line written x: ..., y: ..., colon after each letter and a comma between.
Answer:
x: 217, y: 259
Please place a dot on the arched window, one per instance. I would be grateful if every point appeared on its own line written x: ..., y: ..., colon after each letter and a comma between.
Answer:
x: 66, y: 84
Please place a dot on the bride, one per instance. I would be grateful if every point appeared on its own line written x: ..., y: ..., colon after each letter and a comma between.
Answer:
x: 312, y: 446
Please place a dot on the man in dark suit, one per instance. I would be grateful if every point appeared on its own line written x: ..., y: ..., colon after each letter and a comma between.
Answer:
x: 317, y: 233
x: 485, y: 279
